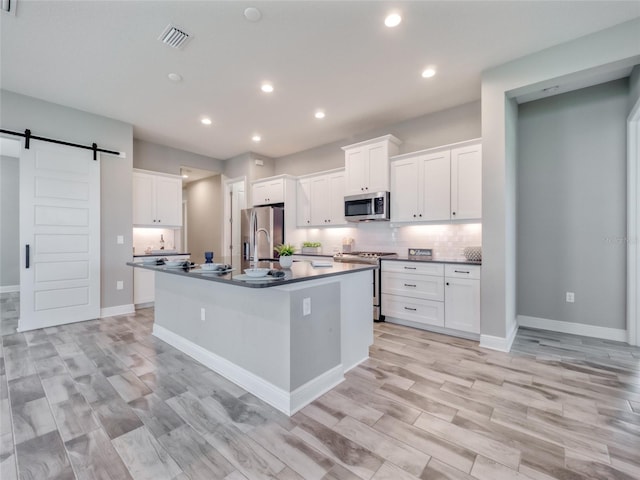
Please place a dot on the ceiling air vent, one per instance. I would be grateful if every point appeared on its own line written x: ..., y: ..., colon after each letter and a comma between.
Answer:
x: 174, y: 37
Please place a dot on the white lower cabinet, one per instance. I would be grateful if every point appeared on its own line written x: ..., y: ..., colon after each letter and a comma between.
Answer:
x: 414, y: 292
x: 462, y: 298
x: 432, y: 294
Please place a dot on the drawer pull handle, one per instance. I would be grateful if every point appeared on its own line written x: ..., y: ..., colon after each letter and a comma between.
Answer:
x: 461, y: 271
x: 408, y: 285
x: 409, y: 308
x: 410, y: 268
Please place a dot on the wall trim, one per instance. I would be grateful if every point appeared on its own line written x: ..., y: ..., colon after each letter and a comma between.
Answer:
x: 605, y: 333
x: 117, y: 310
x: 502, y: 344
x: 286, y: 402
x: 10, y: 288
x: 633, y: 209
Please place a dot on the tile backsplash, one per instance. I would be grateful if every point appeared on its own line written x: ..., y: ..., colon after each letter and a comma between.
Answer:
x: 150, y: 237
x: 447, y: 240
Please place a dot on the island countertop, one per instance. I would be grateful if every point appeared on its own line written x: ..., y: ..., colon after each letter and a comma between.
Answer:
x: 300, y: 271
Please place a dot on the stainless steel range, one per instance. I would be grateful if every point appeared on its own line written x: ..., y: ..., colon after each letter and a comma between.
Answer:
x: 372, y: 258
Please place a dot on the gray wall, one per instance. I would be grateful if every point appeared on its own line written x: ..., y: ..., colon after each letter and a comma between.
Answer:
x: 432, y: 130
x: 10, y: 222
x: 572, y: 206
x: 160, y: 158
x: 46, y: 119
x: 617, y: 47
x: 204, y: 217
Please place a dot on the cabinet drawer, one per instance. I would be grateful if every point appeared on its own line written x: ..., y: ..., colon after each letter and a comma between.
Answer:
x: 462, y: 271
x: 414, y: 267
x: 413, y: 309
x: 427, y: 287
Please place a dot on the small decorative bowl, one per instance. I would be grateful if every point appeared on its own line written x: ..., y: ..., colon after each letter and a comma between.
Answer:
x: 257, y: 272
x: 473, y: 254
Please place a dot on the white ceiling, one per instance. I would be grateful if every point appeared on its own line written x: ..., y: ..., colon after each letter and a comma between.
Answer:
x: 104, y: 57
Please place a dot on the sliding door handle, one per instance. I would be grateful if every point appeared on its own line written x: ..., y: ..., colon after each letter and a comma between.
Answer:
x: 27, y: 256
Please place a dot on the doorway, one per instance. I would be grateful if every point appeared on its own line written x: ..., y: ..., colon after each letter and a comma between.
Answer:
x: 234, y: 203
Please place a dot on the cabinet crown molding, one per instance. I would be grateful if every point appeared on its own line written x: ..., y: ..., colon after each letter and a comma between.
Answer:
x: 318, y: 174
x: 449, y: 146
x: 159, y: 174
x: 274, y: 177
x: 390, y: 138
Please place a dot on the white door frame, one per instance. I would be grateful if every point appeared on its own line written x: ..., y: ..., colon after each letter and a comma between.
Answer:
x: 633, y: 210
x: 226, y: 230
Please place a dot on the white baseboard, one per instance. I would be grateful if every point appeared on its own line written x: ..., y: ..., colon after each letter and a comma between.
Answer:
x: 286, y: 402
x: 307, y: 393
x: 117, y: 310
x: 502, y: 344
x: 10, y: 288
x: 605, y: 333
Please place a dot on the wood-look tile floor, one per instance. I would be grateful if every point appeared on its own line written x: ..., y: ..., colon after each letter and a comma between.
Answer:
x: 106, y: 400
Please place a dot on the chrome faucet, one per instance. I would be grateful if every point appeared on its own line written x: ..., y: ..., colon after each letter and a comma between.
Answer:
x: 253, y: 237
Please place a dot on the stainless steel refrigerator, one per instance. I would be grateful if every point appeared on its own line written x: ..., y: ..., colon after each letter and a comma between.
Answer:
x: 268, y: 229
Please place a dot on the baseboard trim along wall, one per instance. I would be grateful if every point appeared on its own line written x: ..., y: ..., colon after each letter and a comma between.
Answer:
x: 605, y: 333
x: 286, y: 402
x: 117, y: 310
x: 502, y: 344
x: 10, y: 288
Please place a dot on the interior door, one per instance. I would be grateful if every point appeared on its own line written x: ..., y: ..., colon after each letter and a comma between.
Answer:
x: 59, y: 236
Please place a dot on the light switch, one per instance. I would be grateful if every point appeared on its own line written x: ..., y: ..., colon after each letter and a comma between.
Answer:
x: 306, y: 306
x: 120, y: 240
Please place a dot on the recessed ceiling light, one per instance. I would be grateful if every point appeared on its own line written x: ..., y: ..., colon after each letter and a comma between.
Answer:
x: 256, y: 138
x: 428, y: 73
x: 392, y: 20
x: 175, y: 77
x: 266, y: 88
x: 205, y: 121
x: 185, y: 176
x: 252, y: 14
x: 319, y: 114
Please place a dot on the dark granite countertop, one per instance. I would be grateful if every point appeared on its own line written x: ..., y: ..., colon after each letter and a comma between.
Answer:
x: 300, y: 271
x: 161, y: 254
x: 453, y: 261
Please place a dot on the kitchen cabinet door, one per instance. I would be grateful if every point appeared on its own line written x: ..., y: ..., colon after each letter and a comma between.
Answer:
x: 356, y: 168
x: 336, y: 192
x: 466, y: 182
x: 462, y: 304
x: 404, y: 190
x: 169, y: 201
x: 435, y: 186
x: 303, y: 203
x: 320, y: 206
x: 378, y: 168
x: 143, y: 199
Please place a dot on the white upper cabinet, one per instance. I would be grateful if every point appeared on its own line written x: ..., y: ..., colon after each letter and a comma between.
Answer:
x: 466, y: 182
x: 367, y: 165
x: 267, y: 192
x: 157, y: 199
x: 303, y: 202
x: 321, y: 200
x: 438, y: 184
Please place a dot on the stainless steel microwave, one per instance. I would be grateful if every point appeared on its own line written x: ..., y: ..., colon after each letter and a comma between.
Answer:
x: 367, y: 207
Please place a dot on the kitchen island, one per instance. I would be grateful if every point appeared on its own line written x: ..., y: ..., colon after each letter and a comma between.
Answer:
x: 286, y: 340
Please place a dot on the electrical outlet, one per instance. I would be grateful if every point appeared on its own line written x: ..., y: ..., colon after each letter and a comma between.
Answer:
x: 119, y: 285
x: 202, y: 314
x: 306, y: 306
x: 120, y: 239
x: 571, y: 297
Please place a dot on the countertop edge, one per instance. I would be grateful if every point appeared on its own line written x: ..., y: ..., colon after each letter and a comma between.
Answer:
x: 224, y: 279
x: 453, y: 262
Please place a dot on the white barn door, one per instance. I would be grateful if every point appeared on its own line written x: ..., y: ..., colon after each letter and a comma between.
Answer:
x: 59, y: 236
